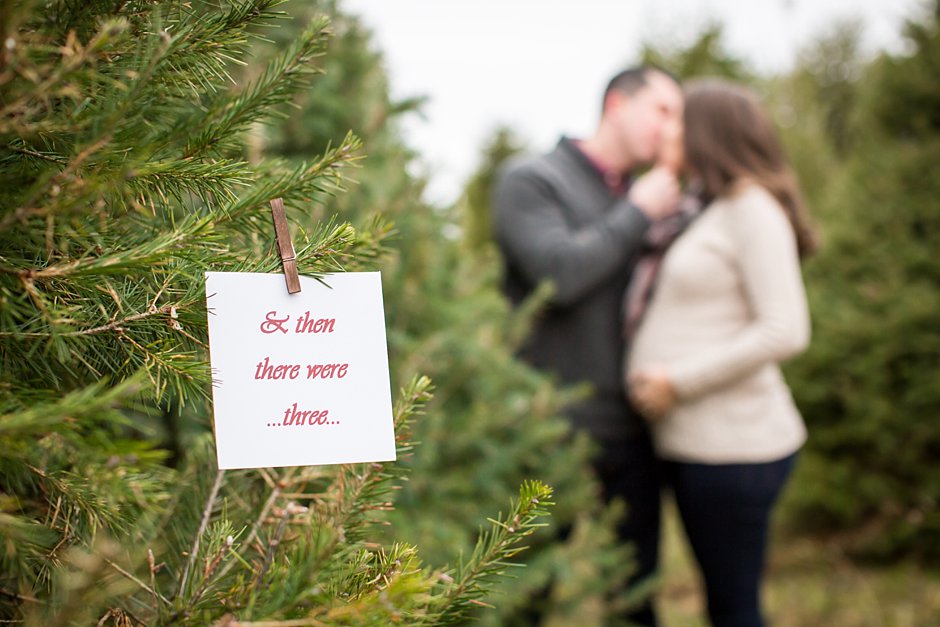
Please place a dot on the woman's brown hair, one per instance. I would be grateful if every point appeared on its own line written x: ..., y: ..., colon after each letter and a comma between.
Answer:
x: 729, y: 137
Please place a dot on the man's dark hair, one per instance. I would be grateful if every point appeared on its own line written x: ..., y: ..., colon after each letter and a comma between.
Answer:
x: 632, y: 80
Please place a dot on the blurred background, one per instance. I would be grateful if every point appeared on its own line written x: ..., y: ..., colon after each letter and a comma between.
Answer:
x: 439, y: 94
x: 539, y: 66
x: 442, y: 93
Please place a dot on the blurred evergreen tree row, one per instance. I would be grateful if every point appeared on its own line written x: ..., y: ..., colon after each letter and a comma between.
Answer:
x: 867, y: 137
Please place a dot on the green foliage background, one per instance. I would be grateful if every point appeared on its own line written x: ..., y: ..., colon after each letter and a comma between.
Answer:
x: 130, y: 164
x: 869, y: 384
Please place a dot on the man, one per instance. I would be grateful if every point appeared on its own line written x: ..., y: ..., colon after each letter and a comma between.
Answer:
x: 577, y: 217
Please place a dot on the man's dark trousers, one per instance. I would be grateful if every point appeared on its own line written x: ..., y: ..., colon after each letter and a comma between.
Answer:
x: 628, y: 470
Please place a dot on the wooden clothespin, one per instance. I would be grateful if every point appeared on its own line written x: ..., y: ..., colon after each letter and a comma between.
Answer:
x: 285, y: 246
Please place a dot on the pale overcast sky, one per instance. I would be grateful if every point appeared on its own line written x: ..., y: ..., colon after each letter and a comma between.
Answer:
x: 539, y: 66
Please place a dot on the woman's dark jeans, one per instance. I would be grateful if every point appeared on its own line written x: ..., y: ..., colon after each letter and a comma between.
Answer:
x: 725, y: 510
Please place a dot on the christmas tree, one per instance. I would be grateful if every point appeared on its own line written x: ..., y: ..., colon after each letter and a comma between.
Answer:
x: 126, y: 171
x: 868, y: 384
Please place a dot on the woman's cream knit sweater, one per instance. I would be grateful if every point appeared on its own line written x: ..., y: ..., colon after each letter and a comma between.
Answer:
x: 729, y: 306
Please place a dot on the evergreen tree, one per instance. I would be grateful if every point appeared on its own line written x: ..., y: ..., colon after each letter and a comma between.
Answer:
x: 124, y: 176
x: 830, y: 70
x: 868, y: 385
x: 706, y: 56
x: 474, y: 205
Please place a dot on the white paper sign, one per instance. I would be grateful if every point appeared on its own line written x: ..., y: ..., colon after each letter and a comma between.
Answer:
x: 299, y: 379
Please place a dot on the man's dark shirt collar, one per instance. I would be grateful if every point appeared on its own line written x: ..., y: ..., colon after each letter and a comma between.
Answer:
x: 617, y: 182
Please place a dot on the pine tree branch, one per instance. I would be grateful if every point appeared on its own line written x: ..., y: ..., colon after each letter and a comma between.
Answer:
x: 115, y: 325
x: 356, y: 483
x: 291, y: 509
x: 278, y: 83
x: 19, y: 597
x: 207, y: 573
x: 206, y: 514
x: 45, y: 156
x: 212, y: 181
x: 140, y: 583
x: 493, y: 548
x: 153, y: 55
x: 350, y: 491
x: 66, y: 411
x: 27, y: 210
x: 151, y: 563
x: 296, y: 186
x: 203, y: 44
x: 276, y: 492
x: 74, y: 57
x: 154, y: 251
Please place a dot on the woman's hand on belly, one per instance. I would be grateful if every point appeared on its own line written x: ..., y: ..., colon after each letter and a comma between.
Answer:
x: 651, y: 392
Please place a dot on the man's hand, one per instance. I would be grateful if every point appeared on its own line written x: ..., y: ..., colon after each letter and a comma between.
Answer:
x: 651, y: 392
x: 656, y: 193
x: 671, y: 152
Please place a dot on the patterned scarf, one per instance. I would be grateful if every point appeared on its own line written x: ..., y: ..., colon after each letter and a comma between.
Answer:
x: 659, y: 237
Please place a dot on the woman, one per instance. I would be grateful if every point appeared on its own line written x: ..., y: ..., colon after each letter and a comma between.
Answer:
x: 728, y: 307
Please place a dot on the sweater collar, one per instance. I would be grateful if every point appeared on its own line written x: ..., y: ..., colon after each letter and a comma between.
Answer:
x: 615, y: 182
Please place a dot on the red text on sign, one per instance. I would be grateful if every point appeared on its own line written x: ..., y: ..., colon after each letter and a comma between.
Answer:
x: 294, y: 417
x: 308, y: 324
x: 267, y: 370
x: 326, y: 371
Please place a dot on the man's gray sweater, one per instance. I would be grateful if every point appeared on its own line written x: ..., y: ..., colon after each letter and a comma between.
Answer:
x: 555, y: 219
